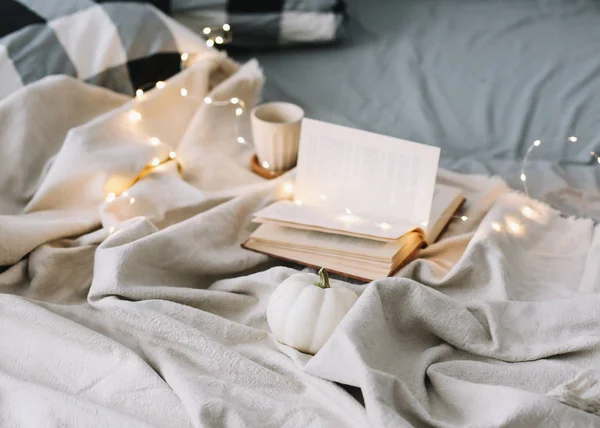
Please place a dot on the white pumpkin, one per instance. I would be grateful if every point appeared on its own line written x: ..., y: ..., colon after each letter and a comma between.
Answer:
x: 305, y: 309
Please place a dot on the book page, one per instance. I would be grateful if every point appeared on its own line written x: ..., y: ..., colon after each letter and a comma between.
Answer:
x: 446, y: 200
x: 317, y: 218
x: 371, y: 176
x: 328, y: 243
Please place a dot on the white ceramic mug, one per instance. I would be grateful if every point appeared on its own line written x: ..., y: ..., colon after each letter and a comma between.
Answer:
x: 276, y: 134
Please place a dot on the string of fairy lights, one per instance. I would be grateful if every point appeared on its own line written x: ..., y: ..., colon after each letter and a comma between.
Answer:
x: 135, y: 116
x: 223, y: 35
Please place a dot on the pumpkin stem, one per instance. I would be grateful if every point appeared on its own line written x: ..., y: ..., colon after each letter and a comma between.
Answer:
x: 323, y: 279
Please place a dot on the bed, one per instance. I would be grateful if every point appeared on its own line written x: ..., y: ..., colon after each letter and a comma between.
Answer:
x: 127, y: 300
x: 481, y: 80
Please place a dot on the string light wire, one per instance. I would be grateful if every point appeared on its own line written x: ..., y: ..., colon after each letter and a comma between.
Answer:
x: 135, y: 116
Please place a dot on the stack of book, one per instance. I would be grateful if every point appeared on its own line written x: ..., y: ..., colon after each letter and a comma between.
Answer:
x: 364, y: 204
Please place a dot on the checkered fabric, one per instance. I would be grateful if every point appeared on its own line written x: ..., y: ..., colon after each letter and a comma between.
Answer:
x: 121, y: 45
x: 259, y: 23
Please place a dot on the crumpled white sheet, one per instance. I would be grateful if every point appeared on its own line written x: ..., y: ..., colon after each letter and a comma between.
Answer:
x: 162, y: 323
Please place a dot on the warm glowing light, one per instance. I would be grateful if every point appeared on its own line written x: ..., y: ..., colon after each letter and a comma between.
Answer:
x: 111, y: 230
x: 132, y: 200
x: 135, y: 116
x: 298, y: 202
x: 184, y: 92
x: 206, y: 30
x: 235, y: 100
x: 155, y: 162
x: 139, y: 93
x: 513, y: 225
x: 464, y: 218
x: 241, y: 140
x: 124, y: 194
x: 110, y: 197
x: 523, y: 177
x: 208, y: 100
x: 572, y: 139
x: 348, y: 211
x: 219, y: 40
x: 527, y: 212
x: 384, y: 226
x: 238, y: 111
x: 226, y: 27
x: 288, y: 188
x: 210, y: 43
x: 184, y: 56
x: 496, y: 226
x: 160, y: 84
x: 155, y: 141
x: 265, y: 164
x: 172, y: 155
x: 537, y: 143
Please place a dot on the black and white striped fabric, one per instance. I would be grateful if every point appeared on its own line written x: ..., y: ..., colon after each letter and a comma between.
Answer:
x: 256, y: 23
x: 121, y: 45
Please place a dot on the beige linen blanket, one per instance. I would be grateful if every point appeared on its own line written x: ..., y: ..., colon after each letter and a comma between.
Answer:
x: 145, y: 311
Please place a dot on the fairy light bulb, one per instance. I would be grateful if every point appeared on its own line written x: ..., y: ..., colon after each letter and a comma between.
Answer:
x: 172, y: 155
x: 155, y: 162
x: 124, y: 194
x: 536, y: 143
x: 464, y: 218
x: 135, y: 116
x: 219, y: 40
x: 160, y: 84
x: 513, y: 225
x: 241, y: 140
x: 298, y: 202
x: 208, y: 100
x: 496, y: 226
x: 288, y: 188
x: 265, y: 164
x: 206, y: 30
x: 184, y: 92
x: 155, y: 141
x: 238, y: 111
x: 527, y: 212
x: 210, y: 43
x: 226, y: 27
x: 384, y: 226
x: 572, y: 139
x: 132, y: 201
x: 110, y: 197
x: 184, y: 56
x: 235, y: 100
x: 523, y: 177
x: 139, y: 93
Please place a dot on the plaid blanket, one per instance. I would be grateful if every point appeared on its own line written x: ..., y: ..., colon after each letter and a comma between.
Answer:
x: 259, y: 23
x: 119, y: 45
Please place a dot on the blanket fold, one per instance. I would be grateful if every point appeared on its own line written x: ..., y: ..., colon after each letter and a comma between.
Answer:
x: 129, y: 302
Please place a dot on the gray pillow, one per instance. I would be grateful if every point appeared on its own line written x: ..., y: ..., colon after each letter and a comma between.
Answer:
x: 252, y: 23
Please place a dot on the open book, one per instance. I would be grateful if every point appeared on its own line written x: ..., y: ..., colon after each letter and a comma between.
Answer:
x: 364, y: 203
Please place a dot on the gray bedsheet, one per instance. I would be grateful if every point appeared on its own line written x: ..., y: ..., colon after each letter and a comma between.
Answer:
x: 480, y: 79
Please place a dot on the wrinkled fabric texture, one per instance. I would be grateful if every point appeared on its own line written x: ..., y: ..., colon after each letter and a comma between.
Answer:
x: 163, y: 321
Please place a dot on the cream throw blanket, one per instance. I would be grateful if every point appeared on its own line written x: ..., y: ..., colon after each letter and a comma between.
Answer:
x: 162, y: 323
